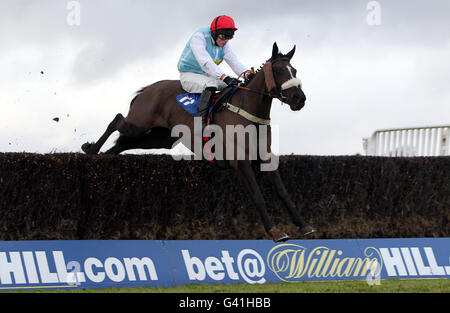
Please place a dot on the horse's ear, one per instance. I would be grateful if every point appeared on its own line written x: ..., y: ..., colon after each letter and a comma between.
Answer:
x: 275, y: 50
x: 291, y: 53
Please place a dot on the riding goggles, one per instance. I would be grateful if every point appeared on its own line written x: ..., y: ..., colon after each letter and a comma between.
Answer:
x: 225, y: 34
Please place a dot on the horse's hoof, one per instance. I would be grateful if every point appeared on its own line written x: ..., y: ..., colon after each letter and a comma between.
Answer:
x: 307, y: 230
x: 88, y: 148
x: 278, y: 235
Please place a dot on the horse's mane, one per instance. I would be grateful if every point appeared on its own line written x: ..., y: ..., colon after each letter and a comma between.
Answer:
x: 248, y: 80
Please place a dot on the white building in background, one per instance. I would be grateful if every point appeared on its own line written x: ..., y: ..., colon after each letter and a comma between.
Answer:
x: 409, y: 142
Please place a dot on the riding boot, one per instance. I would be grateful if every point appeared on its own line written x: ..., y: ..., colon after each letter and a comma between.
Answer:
x: 205, y: 102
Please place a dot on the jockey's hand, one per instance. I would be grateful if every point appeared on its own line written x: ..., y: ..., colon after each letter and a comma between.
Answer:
x: 230, y: 81
x: 250, y: 76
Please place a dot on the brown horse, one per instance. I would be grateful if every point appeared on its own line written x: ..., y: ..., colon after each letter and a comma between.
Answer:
x: 154, y: 114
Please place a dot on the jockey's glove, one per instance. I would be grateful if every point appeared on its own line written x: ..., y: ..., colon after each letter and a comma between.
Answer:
x: 250, y: 76
x: 230, y: 81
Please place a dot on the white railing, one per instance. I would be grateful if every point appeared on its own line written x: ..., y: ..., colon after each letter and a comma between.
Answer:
x: 407, y: 142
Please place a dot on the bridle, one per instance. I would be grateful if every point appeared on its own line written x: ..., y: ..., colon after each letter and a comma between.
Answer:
x: 290, y: 83
x: 278, y: 94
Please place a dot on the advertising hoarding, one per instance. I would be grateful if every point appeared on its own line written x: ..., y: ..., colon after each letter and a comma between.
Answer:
x: 138, y: 263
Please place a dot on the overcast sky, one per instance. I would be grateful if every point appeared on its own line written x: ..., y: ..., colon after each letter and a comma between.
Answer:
x: 358, y: 77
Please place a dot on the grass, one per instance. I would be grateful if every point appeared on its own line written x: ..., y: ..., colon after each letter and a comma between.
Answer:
x: 355, y: 286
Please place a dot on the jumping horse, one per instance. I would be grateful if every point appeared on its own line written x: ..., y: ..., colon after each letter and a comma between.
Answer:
x: 154, y: 112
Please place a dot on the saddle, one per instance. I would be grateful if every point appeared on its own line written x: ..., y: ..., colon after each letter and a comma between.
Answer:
x: 190, y: 101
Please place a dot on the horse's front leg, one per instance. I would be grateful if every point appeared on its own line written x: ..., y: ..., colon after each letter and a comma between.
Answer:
x: 284, y: 195
x: 248, y: 178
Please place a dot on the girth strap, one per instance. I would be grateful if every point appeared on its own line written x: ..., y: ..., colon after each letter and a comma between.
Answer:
x: 246, y: 115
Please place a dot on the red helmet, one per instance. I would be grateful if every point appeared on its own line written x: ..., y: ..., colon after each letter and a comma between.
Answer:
x: 223, y: 22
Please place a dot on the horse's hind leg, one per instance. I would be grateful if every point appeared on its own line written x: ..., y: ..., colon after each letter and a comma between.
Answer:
x: 94, y: 148
x: 156, y: 138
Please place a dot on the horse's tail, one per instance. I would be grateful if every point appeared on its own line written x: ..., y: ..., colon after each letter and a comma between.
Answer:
x: 137, y: 94
x: 140, y: 91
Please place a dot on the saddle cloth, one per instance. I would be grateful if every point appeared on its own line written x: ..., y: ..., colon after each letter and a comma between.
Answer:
x: 190, y: 101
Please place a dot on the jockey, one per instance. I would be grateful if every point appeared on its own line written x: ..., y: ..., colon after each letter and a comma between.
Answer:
x: 198, y: 64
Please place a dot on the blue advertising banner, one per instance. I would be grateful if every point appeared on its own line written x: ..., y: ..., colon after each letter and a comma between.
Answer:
x: 123, y: 263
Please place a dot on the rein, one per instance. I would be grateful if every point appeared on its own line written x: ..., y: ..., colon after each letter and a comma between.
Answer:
x: 262, y: 93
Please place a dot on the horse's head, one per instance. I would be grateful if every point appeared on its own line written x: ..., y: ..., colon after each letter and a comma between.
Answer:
x: 285, y: 85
